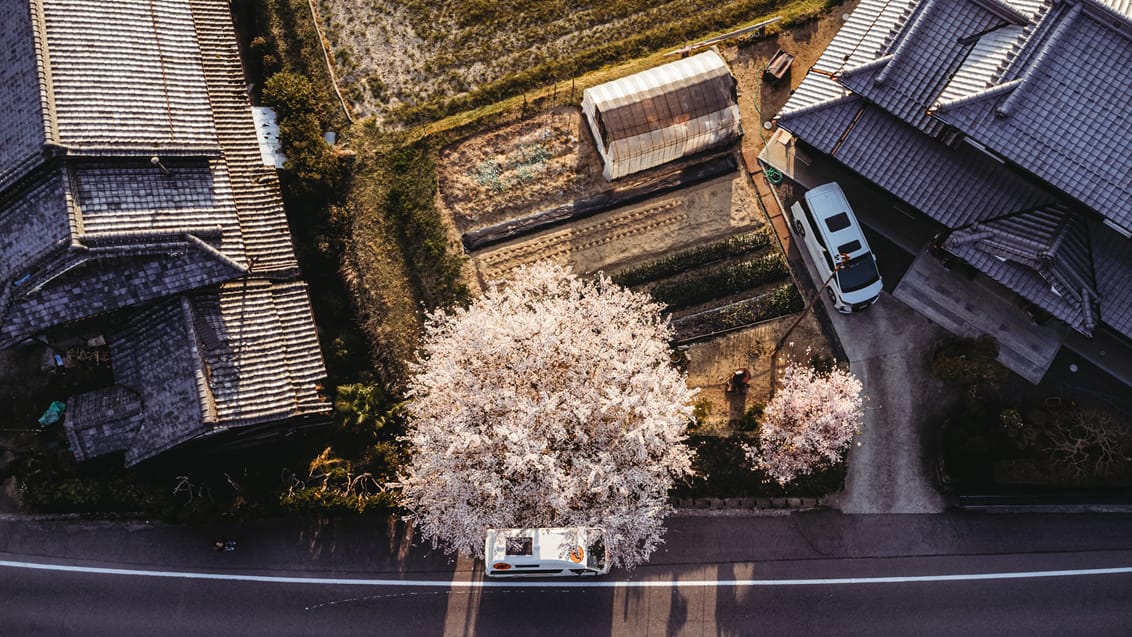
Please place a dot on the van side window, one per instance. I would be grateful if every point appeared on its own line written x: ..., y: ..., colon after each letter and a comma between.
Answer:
x: 811, y: 224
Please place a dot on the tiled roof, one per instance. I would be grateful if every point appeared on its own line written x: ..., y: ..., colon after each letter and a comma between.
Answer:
x: 102, y: 421
x: 1044, y: 255
x: 156, y: 356
x: 131, y: 196
x: 260, y: 349
x: 91, y: 225
x: 236, y: 355
x: 953, y: 186
x: 933, y: 46
x: 1065, y: 116
x: 126, y: 74
x: 865, y: 36
x: 22, y: 133
x: 33, y: 220
x: 255, y: 187
x: 1113, y: 256
x: 993, y: 52
x: 1051, y: 98
x: 91, y: 279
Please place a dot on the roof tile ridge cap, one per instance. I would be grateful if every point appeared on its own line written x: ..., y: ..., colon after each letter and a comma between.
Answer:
x: 1033, y: 68
x: 216, y: 254
x: 43, y: 68
x: 966, y: 100
x: 908, y: 34
x: 813, y: 108
x: 880, y: 62
x: 1099, y: 6
x: 204, y: 391
x: 1005, y: 11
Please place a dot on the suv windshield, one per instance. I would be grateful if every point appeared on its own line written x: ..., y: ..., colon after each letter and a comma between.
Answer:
x: 858, y: 273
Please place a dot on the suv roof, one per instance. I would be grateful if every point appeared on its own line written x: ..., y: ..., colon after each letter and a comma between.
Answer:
x: 838, y: 226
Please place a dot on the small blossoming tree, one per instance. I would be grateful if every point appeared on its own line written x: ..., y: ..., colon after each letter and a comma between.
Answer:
x: 550, y: 401
x: 809, y: 422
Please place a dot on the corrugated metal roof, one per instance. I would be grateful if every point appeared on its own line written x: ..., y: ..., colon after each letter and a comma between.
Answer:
x: 1066, y: 119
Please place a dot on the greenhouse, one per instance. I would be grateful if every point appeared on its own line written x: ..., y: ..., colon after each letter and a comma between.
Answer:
x: 663, y: 114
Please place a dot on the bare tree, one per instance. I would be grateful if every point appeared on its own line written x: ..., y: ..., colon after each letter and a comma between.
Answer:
x: 1090, y: 443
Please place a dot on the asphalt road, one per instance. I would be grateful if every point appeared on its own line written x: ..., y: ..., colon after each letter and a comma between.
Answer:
x: 800, y: 574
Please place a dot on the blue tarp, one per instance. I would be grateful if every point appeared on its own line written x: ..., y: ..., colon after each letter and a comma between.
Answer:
x: 53, y: 414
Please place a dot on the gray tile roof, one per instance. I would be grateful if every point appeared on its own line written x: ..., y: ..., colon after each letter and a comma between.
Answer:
x: 126, y: 74
x: 1044, y: 255
x: 1052, y: 99
x: 156, y: 356
x: 1063, y: 112
x: 1113, y: 256
x: 102, y: 421
x: 240, y: 354
x: 33, y: 220
x: 931, y: 49
x: 255, y: 187
x: 953, y: 186
x: 108, y: 273
x: 23, y: 133
x: 92, y: 227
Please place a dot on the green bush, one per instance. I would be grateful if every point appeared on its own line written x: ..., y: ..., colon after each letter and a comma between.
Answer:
x: 714, y: 282
x: 677, y: 262
x: 778, y: 302
x: 968, y: 361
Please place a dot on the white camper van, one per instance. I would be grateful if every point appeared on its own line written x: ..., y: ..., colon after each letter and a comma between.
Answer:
x: 546, y: 552
x: 827, y: 227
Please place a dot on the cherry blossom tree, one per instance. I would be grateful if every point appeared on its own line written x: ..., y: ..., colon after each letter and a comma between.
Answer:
x: 808, y: 423
x: 549, y: 401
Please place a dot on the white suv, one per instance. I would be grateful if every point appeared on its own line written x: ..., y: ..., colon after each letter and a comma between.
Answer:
x: 828, y: 228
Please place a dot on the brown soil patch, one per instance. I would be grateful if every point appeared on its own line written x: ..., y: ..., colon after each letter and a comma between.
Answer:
x: 541, y: 162
x: 549, y: 159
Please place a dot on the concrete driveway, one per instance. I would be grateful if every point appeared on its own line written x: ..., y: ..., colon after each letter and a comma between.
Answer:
x: 891, y: 464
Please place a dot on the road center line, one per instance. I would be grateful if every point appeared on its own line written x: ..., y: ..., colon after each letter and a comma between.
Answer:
x: 568, y: 583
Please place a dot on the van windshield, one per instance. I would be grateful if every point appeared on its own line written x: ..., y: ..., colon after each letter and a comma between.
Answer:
x: 858, y: 273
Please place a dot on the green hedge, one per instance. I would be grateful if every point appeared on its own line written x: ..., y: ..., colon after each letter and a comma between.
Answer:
x: 778, y: 302
x: 677, y: 262
x: 719, y: 281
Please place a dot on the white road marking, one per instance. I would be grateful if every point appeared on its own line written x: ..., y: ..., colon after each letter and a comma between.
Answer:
x: 589, y: 583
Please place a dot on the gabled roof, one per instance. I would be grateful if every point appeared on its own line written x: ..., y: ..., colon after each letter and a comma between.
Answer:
x: 1044, y: 255
x: 131, y: 183
x: 1049, y: 98
x: 662, y: 114
x: 1062, y: 113
x: 940, y: 35
x: 953, y: 186
x: 236, y: 355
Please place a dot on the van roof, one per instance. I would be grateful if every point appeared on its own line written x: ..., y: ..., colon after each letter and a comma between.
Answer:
x: 836, y: 220
x: 534, y: 545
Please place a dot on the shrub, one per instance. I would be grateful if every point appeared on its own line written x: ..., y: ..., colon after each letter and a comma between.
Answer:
x: 710, y: 283
x: 781, y: 301
x: 695, y: 257
x: 968, y: 361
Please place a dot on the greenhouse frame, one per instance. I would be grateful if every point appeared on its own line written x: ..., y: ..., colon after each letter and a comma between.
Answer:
x: 663, y: 114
